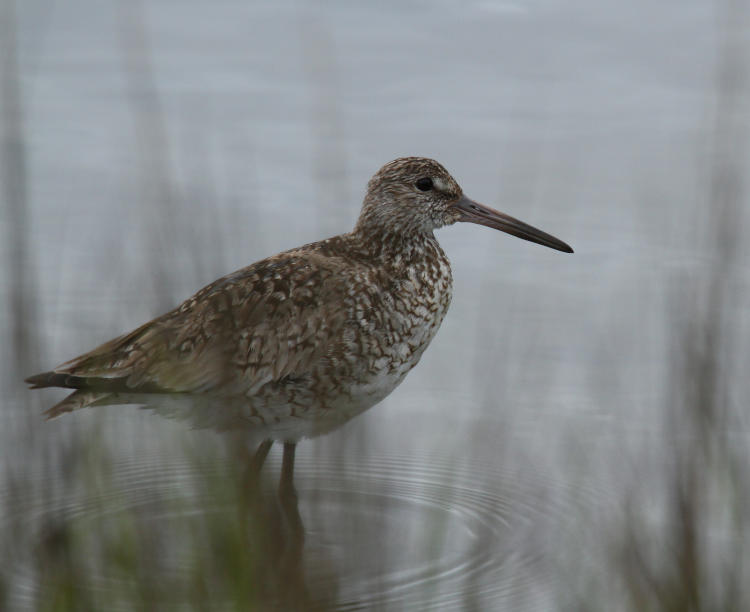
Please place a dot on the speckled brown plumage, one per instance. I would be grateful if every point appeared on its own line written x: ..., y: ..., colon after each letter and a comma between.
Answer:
x: 330, y: 326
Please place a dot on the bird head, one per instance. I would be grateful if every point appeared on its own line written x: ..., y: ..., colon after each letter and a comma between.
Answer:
x: 418, y: 195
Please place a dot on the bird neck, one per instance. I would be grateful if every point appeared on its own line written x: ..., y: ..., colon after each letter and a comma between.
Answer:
x: 387, y: 245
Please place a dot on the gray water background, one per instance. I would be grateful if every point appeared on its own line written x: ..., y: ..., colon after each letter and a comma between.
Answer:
x: 164, y: 144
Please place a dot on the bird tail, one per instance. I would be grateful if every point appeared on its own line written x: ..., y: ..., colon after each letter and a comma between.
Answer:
x: 56, y: 379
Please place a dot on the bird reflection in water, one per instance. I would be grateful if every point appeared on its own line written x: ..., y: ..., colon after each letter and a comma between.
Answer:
x: 302, y: 341
x: 270, y: 525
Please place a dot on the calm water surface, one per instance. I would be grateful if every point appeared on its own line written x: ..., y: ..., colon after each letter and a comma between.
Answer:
x: 168, y: 143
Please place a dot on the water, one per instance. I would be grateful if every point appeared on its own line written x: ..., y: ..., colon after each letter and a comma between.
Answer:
x: 382, y: 529
x: 544, y: 431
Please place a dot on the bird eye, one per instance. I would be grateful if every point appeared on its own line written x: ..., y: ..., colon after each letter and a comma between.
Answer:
x: 424, y: 184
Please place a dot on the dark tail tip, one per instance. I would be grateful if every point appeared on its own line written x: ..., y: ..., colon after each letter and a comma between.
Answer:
x: 56, y: 379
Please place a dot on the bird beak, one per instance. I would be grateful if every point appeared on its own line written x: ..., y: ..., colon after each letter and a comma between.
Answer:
x: 474, y: 212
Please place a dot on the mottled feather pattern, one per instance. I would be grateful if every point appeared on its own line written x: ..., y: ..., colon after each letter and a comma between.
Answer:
x: 320, y: 332
x: 269, y: 332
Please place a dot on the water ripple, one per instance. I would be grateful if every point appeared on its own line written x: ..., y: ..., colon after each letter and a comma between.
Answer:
x: 395, y: 532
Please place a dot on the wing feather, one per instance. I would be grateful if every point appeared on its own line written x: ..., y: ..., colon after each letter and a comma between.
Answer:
x: 260, y: 324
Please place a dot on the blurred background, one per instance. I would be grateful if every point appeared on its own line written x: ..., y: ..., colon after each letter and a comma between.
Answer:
x: 577, y: 437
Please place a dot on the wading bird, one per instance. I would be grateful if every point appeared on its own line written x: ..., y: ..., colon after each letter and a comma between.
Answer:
x: 304, y: 340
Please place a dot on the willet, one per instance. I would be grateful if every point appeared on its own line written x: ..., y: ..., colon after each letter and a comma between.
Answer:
x: 327, y: 329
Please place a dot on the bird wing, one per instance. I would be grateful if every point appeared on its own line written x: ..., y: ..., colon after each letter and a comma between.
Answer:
x: 263, y: 323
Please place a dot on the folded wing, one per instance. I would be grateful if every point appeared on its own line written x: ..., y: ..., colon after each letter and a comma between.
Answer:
x: 256, y: 326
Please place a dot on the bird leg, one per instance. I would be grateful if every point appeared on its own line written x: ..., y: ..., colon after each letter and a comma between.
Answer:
x: 252, y: 470
x: 260, y: 455
x: 253, y: 518
x: 290, y: 564
x: 288, y: 495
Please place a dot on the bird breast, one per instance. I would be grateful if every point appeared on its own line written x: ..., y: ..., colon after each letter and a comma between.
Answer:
x: 397, y: 321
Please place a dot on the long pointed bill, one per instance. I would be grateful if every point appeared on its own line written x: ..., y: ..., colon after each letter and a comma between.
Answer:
x: 473, y: 212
